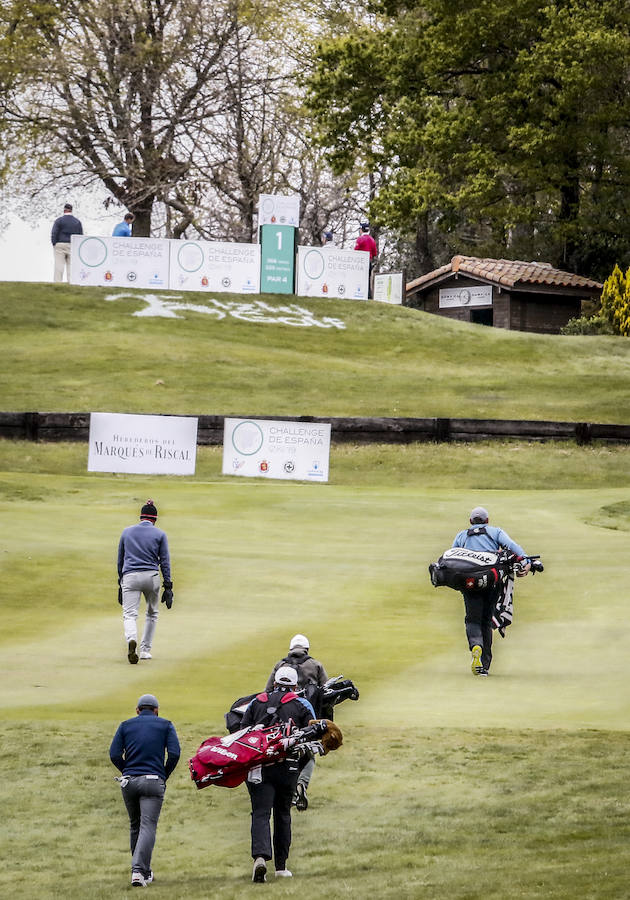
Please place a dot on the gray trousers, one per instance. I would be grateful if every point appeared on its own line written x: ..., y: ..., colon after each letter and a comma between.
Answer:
x: 143, y: 796
x: 134, y: 585
x: 306, y: 772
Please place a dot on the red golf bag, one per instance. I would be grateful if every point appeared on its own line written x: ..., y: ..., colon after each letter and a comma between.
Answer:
x: 226, y: 761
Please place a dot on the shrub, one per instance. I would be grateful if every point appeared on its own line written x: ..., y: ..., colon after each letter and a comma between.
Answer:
x: 588, y: 325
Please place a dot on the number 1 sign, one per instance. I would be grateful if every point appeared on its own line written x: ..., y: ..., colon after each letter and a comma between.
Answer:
x: 277, y: 270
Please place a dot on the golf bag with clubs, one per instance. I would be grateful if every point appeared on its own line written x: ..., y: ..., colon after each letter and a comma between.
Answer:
x: 480, y: 570
x: 227, y: 761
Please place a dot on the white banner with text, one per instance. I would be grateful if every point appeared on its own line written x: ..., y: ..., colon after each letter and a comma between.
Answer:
x: 149, y: 445
x: 269, y: 449
x: 219, y: 266
x: 128, y: 262
x: 328, y: 272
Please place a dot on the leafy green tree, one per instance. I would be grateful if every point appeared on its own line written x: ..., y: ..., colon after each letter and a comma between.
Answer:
x: 505, y: 125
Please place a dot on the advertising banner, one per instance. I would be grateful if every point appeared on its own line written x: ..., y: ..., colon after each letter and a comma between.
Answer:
x: 328, y: 272
x: 476, y: 295
x: 217, y: 266
x: 277, y: 270
x: 119, y: 262
x: 267, y: 449
x: 389, y: 288
x: 150, y: 445
x: 278, y: 209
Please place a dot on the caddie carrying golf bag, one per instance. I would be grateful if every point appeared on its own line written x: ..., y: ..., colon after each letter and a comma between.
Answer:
x: 226, y: 761
x: 322, y: 699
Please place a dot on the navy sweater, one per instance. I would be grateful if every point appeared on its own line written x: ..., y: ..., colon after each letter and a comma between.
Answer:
x: 63, y: 229
x: 139, y: 744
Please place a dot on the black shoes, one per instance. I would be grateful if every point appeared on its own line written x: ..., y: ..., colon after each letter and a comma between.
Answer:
x: 132, y: 655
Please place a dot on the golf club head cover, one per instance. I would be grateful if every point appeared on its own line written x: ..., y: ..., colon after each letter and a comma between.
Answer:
x: 167, y: 594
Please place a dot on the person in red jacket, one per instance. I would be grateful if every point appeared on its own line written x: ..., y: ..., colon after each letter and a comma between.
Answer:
x: 366, y: 242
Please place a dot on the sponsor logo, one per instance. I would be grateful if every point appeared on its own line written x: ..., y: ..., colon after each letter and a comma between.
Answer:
x: 226, y: 282
x: 264, y: 466
x: 204, y: 281
x: 289, y: 466
x: 238, y: 464
x: 108, y: 276
x: 131, y: 276
x: 341, y: 289
x: 222, y: 751
x: 324, y: 288
x: 481, y: 557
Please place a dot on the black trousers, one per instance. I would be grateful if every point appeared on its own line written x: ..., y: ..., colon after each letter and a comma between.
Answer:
x: 480, y: 607
x: 273, y: 794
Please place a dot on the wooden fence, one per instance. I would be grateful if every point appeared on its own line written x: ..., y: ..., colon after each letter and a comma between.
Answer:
x: 38, y: 426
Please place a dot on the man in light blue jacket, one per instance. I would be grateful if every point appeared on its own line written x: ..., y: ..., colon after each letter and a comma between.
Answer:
x: 480, y: 604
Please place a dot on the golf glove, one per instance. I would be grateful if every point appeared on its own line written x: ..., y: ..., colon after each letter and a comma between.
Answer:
x: 167, y: 594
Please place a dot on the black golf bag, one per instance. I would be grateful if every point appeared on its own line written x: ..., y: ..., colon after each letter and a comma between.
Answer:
x: 322, y: 699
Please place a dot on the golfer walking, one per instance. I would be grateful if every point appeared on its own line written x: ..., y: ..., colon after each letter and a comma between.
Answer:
x: 142, y: 553
x: 480, y: 605
x: 138, y: 751
x: 272, y: 787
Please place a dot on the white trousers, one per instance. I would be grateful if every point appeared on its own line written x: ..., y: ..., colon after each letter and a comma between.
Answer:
x: 62, y: 259
x: 134, y: 585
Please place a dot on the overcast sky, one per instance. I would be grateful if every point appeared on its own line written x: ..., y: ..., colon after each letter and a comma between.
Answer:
x: 26, y: 253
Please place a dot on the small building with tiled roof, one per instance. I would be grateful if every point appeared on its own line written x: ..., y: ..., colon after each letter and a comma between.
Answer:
x: 505, y: 293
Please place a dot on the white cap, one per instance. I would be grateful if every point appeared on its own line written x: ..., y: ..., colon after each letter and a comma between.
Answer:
x: 299, y: 640
x: 286, y: 675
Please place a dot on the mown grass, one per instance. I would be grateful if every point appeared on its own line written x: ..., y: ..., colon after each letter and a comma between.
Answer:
x: 68, y: 349
x: 418, y: 812
x: 446, y: 787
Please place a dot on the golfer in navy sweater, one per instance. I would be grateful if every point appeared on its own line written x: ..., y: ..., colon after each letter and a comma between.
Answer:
x: 142, y: 551
x: 138, y: 752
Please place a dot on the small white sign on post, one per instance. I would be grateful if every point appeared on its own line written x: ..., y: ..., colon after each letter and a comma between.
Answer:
x: 268, y: 449
x: 149, y: 445
x: 389, y: 288
x: 328, y: 272
x: 278, y: 209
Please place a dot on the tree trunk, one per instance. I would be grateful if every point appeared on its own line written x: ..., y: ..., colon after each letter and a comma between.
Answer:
x: 142, y: 223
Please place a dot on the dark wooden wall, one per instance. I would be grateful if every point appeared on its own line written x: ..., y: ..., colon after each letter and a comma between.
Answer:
x: 513, y: 310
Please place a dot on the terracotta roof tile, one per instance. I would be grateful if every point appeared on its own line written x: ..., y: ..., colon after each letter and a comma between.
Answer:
x: 506, y: 272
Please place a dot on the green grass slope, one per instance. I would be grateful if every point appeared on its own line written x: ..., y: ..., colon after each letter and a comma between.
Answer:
x: 70, y: 349
x: 447, y: 786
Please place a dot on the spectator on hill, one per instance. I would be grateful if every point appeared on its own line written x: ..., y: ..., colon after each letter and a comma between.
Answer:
x: 142, y: 551
x: 123, y: 229
x: 366, y: 242
x: 138, y: 750
x: 309, y: 672
x: 480, y: 604
x: 63, y: 229
x: 272, y: 787
x: 328, y: 240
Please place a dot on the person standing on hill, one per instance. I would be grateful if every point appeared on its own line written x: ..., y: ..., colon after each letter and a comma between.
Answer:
x: 138, y: 751
x: 142, y: 552
x: 480, y: 604
x: 123, y: 229
x: 309, y: 672
x: 63, y: 229
x: 366, y: 242
x: 272, y: 787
